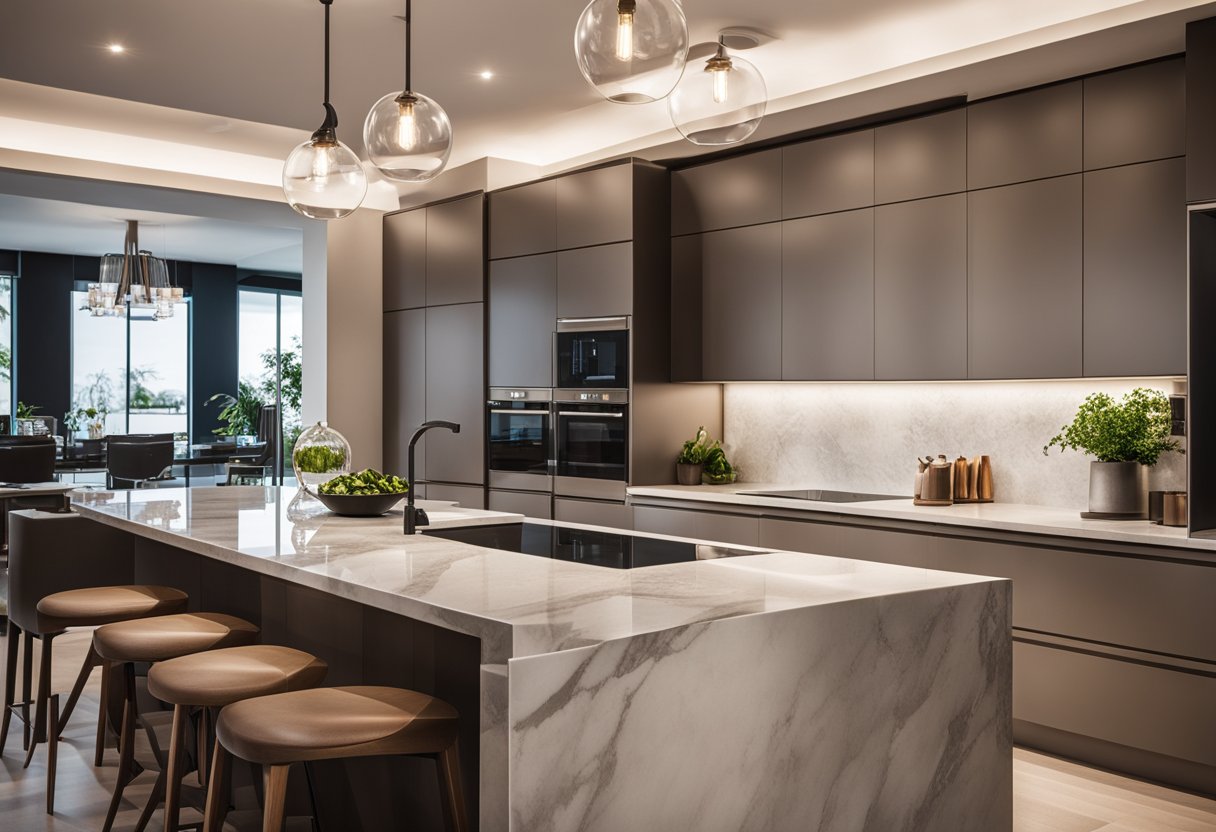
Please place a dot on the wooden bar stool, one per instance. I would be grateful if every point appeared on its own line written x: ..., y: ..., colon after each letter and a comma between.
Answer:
x: 53, y: 615
x: 216, y: 679
x: 155, y: 640
x: 329, y: 724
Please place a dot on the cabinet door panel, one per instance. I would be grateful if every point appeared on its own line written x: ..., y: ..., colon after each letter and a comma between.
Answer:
x: 1025, y: 136
x: 1024, y: 254
x: 1135, y: 270
x: 520, y: 502
x: 523, y: 313
x: 595, y: 282
x: 1135, y: 115
x: 921, y: 157
x: 827, y: 297
x: 716, y: 527
x: 595, y: 207
x: 1201, y: 110
x: 593, y: 513
x: 687, y: 260
x: 741, y: 304
x: 405, y: 260
x: 455, y: 391
x: 404, y: 387
x: 455, y: 256
x: 830, y: 174
x: 920, y: 289
x: 466, y: 496
x: 745, y: 190
x: 523, y: 220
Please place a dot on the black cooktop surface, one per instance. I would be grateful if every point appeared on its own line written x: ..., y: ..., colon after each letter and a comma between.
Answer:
x: 615, y: 550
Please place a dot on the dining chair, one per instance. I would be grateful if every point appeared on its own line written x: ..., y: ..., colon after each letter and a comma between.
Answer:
x: 138, y: 457
x: 253, y: 471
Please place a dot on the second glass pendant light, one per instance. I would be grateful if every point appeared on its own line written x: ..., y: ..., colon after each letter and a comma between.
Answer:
x: 408, y: 135
x: 719, y: 103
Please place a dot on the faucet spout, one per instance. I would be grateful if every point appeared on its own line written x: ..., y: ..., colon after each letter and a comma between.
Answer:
x: 415, y: 517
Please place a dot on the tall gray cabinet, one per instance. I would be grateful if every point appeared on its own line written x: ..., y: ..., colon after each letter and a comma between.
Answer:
x: 434, y: 344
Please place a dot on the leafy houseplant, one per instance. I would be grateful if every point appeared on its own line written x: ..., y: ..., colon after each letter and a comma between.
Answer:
x: 239, y: 413
x: 691, y: 461
x: 1126, y: 437
x: 718, y: 469
x: 91, y: 419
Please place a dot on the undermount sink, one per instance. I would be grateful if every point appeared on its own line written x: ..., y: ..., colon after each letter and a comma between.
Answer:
x: 822, y: 496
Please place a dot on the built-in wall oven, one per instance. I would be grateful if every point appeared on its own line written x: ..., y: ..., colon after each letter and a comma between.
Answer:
x: 519, y: 439
x: 592, y: 443
x: 592, y: 353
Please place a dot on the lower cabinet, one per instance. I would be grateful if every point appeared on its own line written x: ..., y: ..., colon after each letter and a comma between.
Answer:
x: 527, y: 503
x: 593, y: 513
x: 713, y: 526
x: 466, y: 496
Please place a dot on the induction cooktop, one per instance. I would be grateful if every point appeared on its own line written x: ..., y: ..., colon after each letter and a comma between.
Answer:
x: 615, y: 550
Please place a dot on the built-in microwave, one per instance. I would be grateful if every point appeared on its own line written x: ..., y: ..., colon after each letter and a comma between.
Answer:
x: 592, y: 353
x: 519, y: 438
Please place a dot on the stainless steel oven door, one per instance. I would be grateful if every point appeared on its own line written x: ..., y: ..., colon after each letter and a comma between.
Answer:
x: 592, y: 450
x: 519, y: 440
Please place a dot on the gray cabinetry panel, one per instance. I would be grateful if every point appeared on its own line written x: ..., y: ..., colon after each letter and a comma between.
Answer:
x: 595, y: 282
x: 593, y: 513
x: 405, y: 260
x: 686, y: 303
x: 404, y: 387
x: 523, y: 220
x: 519, y: 502
x: 466, y: 496
x: 920, y: 289
x: 455, y: 391
x: 921, y: 157
x: 745, y: 190
x: 741, y: 303
x: 523, y: 313
x: 827, y: 297
x: 1024, y: 265
x: 1201, y: 110
x: 455, y: 255
x: 1136, y: 114
x: 595, y: 206
x: 1135, y: 270
x: 1025, y: 136
x: 830, y: 174
x: 700, y: 525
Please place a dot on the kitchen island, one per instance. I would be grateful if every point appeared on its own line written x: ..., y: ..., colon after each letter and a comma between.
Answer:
x: 831, y: 694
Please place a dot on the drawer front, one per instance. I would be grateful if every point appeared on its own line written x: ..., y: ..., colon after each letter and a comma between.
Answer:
x: 702, y: 525
x: 593, y: 513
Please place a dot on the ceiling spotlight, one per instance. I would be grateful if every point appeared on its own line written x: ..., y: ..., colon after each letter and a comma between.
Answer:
x: 117, y: 48
x: 486, y: 74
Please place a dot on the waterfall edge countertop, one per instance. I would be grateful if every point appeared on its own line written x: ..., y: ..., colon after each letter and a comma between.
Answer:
x: 1009, y: 517
x: 519, y: 605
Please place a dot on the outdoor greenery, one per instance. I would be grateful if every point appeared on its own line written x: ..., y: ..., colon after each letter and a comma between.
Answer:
x: 239, y: 413
x: 1136, y: 429
x: 6, y: 352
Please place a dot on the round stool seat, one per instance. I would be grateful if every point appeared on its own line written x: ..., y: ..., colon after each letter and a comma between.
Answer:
x: 330, y: 723
x: 95, y: 606
x: 169, y: 636
x: 220, y: 677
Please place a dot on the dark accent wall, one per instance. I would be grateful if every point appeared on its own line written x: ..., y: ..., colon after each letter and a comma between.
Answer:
x: 44, y: 331
x: 213, y: 289
x: 8, y: 262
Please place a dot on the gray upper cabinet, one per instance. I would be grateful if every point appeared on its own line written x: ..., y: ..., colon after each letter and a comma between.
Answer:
x: 1135, y: 115
x: 744, y: 190
x: 827, y: 297
x: 830, y: 174
x: 921, y: 157
x: 1135, y: 270
x: 455, y: 391
x: 404, y: 387
x: 523, y: 220
x: 1026, y: 136
x: 687, y: 259
x: 595, y: 207
x: 1024, y: 253
x: 455, y: 256
x: 405, y: 260
x: 595, y: 282
x: 523, y: 313
x: 920, y: 289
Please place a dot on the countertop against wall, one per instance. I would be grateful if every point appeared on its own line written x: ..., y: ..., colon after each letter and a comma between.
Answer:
x: 1009, y: 517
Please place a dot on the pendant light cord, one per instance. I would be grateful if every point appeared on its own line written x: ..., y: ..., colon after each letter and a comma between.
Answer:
x: 408, y: 57
x: 326, y: 132
x: 327, y: 4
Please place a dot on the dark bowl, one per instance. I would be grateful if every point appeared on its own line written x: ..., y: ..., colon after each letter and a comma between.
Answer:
x: 360, y: 505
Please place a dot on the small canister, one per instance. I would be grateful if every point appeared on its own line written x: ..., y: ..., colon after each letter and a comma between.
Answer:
x: 1156, y: 505
x: 1174, y: 509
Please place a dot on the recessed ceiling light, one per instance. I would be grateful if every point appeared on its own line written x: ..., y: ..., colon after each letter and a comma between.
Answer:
x: 117, y: 48
x: 486, y: 74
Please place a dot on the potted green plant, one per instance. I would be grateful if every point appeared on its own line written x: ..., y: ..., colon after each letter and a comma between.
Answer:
x: 691, y: 462
x: 91, y: 419
x: 718, y: 470
x: 1126, y: 437
x: 239, y: 413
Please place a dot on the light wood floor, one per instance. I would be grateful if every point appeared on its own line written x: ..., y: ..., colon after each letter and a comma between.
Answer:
x: 1050, y: 795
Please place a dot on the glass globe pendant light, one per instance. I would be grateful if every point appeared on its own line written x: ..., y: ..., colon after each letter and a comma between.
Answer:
x: 721, y: 103
x: 408, y: 135
x: 323, y: 178
x: 632, y: 51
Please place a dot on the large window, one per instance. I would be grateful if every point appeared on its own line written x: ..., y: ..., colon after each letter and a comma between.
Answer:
x: 7, y: 308
x: 137, y: 371
x: 271, y: 331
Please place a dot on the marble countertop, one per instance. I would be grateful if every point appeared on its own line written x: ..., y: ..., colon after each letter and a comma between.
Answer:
x: 1010, y: 517
x: 519, y: 605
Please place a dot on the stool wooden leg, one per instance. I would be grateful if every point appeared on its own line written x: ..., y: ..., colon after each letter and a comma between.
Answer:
x: 451, y: 789
x: 126, y: 745
x: 10, y: 681
x: 275, y: 778
x: 91, y: 660
x: 27, y: 686
x: 52, y: 755
x: 44, y: 696
x: 154, y: 800
x: 103, y: 711
x: 173, y: 781
x: 216, y: 807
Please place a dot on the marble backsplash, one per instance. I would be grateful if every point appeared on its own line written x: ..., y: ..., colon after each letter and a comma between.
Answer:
x: 866, y: 437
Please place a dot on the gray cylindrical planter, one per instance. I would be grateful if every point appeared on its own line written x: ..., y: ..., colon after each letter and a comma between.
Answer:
x: 1118, y: 488
x: 688, y: 474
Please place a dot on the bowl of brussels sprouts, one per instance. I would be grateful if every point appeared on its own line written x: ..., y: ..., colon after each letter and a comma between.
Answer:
x: 368, y: 493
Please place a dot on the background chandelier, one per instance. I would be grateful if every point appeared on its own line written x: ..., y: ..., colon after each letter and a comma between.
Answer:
x: 721, y: 102
x: 408, y: 135
x: 632, y: 51
x: 323, y: 178
x: 133, y: 282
